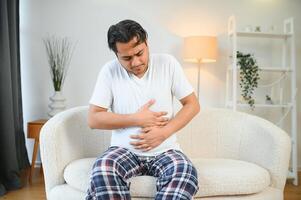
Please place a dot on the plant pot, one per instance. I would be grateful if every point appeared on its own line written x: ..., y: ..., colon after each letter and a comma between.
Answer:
x: 57, y: 103
x: 268, y: 102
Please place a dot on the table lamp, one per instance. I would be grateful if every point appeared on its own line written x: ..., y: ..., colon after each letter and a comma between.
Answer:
x: 200, y: 49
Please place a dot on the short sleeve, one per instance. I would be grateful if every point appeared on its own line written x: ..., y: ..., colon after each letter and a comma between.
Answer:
x: 180, y: 85
x: 102, y: 94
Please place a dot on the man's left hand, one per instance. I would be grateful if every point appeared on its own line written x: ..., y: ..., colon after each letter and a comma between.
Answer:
x: 149, y: 138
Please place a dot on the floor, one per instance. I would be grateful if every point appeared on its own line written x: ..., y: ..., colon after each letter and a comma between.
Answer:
x: 36, y: 191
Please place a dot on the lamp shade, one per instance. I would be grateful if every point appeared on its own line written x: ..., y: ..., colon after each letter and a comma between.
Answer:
x: 200, y: 49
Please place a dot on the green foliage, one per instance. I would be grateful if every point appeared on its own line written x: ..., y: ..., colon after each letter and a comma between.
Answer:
x: 249, y: 76
x: 59, y: 52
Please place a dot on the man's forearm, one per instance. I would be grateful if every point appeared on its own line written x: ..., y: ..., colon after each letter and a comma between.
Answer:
x: 109, y: 120
x: 182, y: 118
x: 99, y: 118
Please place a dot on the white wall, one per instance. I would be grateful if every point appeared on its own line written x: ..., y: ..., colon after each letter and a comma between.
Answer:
x: 87, y: 22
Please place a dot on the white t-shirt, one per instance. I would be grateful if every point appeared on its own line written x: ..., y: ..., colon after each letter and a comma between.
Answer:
x: 125, y: 93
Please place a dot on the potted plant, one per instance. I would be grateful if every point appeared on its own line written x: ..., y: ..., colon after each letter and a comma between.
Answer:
x: 249, y: 76
x: 268, y: 99
x: 59, y: 52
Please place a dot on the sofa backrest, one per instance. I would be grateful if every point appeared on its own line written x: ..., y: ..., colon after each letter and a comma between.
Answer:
x: 215, y: 133
x: 212, y: 133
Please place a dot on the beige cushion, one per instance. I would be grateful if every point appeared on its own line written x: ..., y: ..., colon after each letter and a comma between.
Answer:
x: 216, y: 177
x: 230, y: 177
x: 70, y: 193
x: 77, y: 173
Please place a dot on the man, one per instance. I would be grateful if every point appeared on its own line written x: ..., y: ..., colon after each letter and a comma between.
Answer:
x: 138, y: 88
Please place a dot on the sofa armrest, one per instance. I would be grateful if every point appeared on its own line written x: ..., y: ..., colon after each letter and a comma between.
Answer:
x: 61, y: 141
x: 268, y: 146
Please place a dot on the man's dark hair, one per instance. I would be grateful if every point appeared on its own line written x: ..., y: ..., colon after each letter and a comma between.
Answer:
x: 124, y: 31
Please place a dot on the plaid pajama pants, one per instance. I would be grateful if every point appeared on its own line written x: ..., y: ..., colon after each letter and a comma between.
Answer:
x: 176, y: 176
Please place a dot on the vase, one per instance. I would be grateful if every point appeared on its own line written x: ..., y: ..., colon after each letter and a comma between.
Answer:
x: 57, y: 103
x: 268, y: 101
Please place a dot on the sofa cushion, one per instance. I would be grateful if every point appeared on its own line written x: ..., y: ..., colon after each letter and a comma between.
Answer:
x: 215, y: 176
x: 70, y: 193
x: 77, y: 173
x: 229, y: 177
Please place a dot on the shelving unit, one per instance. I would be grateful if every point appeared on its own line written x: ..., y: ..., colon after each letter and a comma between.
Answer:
x: 271, y: 69
x: 287, y: 69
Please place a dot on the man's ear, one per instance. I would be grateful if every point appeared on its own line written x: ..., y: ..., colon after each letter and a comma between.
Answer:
x: 146, y: 42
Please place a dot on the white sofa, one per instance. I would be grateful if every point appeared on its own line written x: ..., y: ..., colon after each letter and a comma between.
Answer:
x: 238, y: 156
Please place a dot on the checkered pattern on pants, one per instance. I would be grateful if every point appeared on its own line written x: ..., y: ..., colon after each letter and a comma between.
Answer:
x: 176, y: 176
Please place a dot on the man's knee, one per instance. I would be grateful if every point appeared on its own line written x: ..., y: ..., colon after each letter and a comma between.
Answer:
x: 192, y: 177
x: 116, y: 161
x: 179, y: 181
x: 181, y: 169
x: 180, y: 164
x: 186, y: 171
x: 109, y: 161
x: 105, y: 164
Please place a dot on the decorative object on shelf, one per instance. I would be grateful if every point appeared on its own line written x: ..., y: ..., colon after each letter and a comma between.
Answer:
x: 248, y: 28
x: 272, y: 29
x: 200, y: 49
x: 268, y: 99
x: 249, y: 76
x: 59, y: 52
x: 257, y: 29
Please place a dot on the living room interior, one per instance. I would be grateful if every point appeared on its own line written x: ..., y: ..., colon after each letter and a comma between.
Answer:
x: 248, y: 115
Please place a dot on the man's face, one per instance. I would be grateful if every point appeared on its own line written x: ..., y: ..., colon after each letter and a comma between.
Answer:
x: 133, y: 57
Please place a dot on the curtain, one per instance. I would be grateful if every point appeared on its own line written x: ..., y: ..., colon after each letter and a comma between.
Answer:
x: 13, y: 154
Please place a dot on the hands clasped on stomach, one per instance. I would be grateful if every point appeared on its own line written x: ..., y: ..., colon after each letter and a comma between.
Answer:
x: 152, y: 126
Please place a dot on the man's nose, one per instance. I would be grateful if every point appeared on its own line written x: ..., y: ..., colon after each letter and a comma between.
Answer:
x: 136, y: 61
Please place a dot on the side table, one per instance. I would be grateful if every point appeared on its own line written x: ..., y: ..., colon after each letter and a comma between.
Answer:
x: 33, y: 131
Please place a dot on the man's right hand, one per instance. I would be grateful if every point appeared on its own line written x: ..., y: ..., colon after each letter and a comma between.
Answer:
x: 146, y: 118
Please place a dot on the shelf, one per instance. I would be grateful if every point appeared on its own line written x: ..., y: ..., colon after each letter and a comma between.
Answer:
x: 270, y: 69
x: 262, y: 35
x: 261, y: 105
x: 286, y: 79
